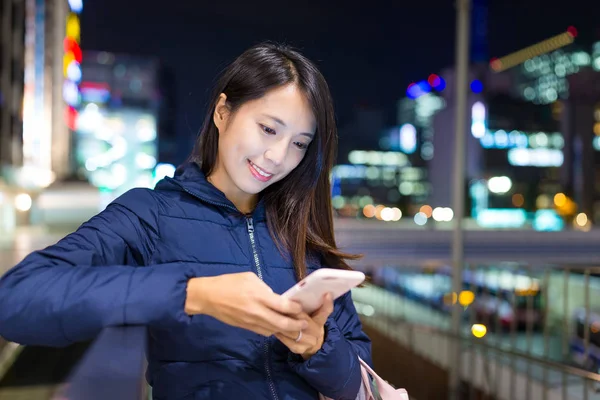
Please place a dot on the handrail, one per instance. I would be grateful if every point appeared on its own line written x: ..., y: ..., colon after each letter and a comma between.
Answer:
x: 113, y: 368
x: 543, y: 361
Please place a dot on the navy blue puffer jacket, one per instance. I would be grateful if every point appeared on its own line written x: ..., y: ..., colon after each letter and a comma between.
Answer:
x: 130, y: 264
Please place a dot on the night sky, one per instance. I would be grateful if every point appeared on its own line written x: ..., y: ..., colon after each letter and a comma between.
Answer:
x: 368, y: 51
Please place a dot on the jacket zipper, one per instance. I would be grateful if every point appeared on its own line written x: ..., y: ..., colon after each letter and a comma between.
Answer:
x: 250, y: 224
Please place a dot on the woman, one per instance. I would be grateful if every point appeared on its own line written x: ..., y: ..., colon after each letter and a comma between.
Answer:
x: 214, y: 248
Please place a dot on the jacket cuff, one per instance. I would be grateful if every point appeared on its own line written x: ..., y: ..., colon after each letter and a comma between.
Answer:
x: 336, y: 359
x: 156, y: 296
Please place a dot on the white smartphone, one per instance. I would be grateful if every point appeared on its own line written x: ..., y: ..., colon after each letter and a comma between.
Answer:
x: 309, y: 291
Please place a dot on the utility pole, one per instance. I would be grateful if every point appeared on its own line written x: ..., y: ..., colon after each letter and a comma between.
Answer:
x: 463, y: 19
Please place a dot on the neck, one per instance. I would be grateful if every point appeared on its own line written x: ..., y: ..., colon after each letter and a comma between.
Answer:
x: 244, y: 202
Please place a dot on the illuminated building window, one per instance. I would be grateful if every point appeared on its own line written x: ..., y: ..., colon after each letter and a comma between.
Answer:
x: 596, y: 56
x: 408, y: 138
x: 544, y: 78
x: 500, y: 139
x: 76, y: 6
x: 581, y: 58
x: 535, y: 157
x: 478, y: 120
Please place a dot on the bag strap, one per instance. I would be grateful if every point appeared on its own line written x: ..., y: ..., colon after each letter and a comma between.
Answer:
x: 386, y: 391
x: 366, y: 381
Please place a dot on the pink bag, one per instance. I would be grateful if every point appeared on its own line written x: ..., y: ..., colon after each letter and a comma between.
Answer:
x: 386, y: 391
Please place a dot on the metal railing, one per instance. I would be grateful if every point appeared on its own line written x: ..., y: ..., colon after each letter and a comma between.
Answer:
x: 113, y: 368
x: 528, y: 331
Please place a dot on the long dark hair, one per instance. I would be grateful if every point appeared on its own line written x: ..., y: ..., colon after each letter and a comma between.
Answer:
x: 299, y: 212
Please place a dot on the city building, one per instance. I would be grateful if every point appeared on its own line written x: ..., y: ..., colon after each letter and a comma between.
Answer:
x: 12, y: 42
x: 168, y: 145
x: 580, y: 124
x: 126, y: 109
x: 563, y: 75
x: 533, y: 135
x: 380, y: 168
x: 40, y: 55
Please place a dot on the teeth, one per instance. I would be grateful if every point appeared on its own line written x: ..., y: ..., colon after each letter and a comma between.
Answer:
x: 260, y: 171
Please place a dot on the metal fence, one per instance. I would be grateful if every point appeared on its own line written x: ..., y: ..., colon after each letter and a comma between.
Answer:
x: 528, y: 331
x: 113, y: 368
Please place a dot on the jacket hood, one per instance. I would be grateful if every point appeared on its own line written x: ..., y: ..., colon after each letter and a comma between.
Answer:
x: 190, y: 178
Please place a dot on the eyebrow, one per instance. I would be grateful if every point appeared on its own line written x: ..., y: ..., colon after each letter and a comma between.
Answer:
x: 280, y: 122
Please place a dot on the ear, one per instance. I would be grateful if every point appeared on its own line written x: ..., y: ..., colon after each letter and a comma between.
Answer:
x: 221, y: 112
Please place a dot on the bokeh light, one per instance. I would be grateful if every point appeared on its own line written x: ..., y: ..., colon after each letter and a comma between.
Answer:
x: 369, y: 211
x: 420, y: 218
x: 476, y: 86
x: 478, y: 330
x: 466, y: 298
x: 581, y: 219
x: 23, y: 202
x: 427, y: 210
x: 560, y: 200
x: 518, y: 200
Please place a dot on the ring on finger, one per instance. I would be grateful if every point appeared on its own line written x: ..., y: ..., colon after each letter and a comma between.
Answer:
x: 299, y: 337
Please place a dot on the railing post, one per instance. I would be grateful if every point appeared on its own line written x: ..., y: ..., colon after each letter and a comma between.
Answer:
x: 463, y: 15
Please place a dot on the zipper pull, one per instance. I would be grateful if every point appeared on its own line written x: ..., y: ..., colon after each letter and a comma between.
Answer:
x: 250, y: 224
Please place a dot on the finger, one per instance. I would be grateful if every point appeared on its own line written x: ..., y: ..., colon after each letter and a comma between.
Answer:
x: 281, y: 304
x: 303, y: 315
x: 302, y: 346
x: 320, y: 316
x: 293, y: 335
x: 281, y: 323
x: 260, y: 330
x: 290, y: 344
x: 311, y: 329
x: 289, y: 335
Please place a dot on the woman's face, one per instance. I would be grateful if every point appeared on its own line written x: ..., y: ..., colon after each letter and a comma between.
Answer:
x: 261, y: 143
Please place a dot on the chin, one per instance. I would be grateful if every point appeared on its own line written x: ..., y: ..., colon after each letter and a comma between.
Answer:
x: 253, y: 187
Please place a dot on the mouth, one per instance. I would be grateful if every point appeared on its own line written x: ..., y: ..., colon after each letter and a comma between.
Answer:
x: 258, y: 172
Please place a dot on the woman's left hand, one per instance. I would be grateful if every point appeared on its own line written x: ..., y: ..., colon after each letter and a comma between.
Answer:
x: 310, y: 340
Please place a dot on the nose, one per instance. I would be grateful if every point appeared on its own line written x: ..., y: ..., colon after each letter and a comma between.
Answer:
x: 277, y: 152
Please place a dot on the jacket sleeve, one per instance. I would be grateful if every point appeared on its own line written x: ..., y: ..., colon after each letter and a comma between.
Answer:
x: 334, y: 370
x: 70, y: 291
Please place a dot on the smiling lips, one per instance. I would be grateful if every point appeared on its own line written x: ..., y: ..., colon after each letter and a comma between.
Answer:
x: 259, y: 173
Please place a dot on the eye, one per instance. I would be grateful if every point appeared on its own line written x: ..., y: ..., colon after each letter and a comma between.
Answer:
x: 301, y: 146
x: 267, y: 130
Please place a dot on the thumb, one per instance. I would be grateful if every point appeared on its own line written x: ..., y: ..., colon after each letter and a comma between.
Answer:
x: 320, y: 316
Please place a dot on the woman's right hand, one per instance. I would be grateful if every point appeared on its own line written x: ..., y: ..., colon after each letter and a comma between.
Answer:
x: 244, y: 301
